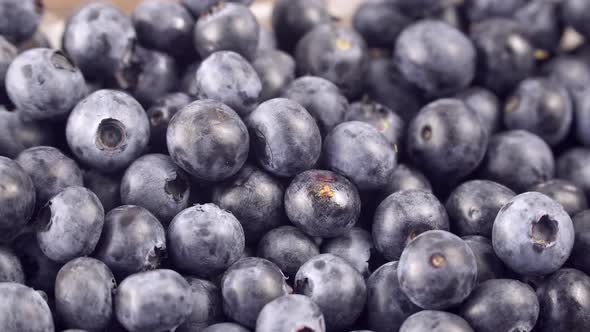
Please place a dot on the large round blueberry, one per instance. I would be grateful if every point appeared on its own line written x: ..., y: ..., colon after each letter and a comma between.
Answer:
x: 20, y: 19
x: 160, y: 114
x: 485, y: 105
x: 207, y: 306
x: 435, y: 321
x: 533, y: 234
x: 406, y: 177
x: 276, y: 70
x: 208, y: 140
x: 355, y: 246
x: 108, y: 130
x: 404, y: 215
x: 285, y: 138
x: 489, y: 266
x: 574, y: 165
x: 290, y: 313
x: 17, y: 199
x: 204, y: 240
x: 570, y: 196
x: 40, y: 271
x: 105, y: 186
x: 11, y: 269
x: 437, y: 270
x: 292, y: 19
x: 23, y: 309
x: 380, y: 22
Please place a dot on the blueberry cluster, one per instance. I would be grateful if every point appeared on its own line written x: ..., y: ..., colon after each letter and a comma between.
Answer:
x: 186, y: 169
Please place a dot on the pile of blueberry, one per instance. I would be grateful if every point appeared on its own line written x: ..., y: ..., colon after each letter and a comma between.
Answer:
x: 187, y: 169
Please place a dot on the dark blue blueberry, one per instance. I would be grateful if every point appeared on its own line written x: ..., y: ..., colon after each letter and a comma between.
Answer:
x: 244, y: 295
x: 106, y: 187
x: 542, y: 24
x: 23, y: 309
x: 11, y: 269
x: 276, y: 70
x: 321, y: 278
x: 485, y: 105
x: 435, y: 321
x: 406, y: 177
x: 44, y: 84
x: 355, y: 247
x: 207, y: 306
x: 285, y: 138
x: 473, y: 206
x: 379, y: 22
x: 477, y: 10
x: 225, y: 327
x: 533, y: 234
x: 156, y: 300
x: 208, y: 140
x: 108, y: 130
x: 18, y: 133
x: 70, y: 224
x: 160, y: 114
x: 360, y: 152
x: 404, y: 215
x: 205, y: 240
x: 437, y: 270
x: 574, y: 165
x: 84, y: 292
x: 518, y: 159
x: 40, y: 271
x: 575, y: 13
x: 290, y: 313
x: 20, y: 19
x: 569, y: 195
x: 379, y: 116
x: 322, y: 203
x: 132, y: 240
x: 579, y: 257
x: 7, y: 54
x: 292, y: 19
x: 489, y: 266
x: 436, y: 57
x: 17, y: 199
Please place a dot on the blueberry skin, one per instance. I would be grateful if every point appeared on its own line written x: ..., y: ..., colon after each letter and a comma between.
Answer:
x: 489, y: 266
x: 17, y: 199
x: 20, y: 19
x: 379, y: 116
x: 565, y: 302
x: 437, y: 270
x: 447, y: 140
x: 579, y: 257
x: 404, y: 215
x: 227, y: 27
x: 435, y: 321
x: 244, y: 295
x: 23, y: 309
x: 208, y: 140
x: 532, y: 234
x: 542, y: 24
x: 566, y: 193
x: 505, y: 55
x: 485, y: 105
x: 285, y: 138
x: 266, y: 40
x: 571, y: 71
x: 70, y: 224
x: 292, y: 19
x: 188, y: 80
x: 354, y: 246
x: 276, y: 70
x: 106, y: 187
x: 110, y: 27
x: 473, y: 206
x: 335, y: 53
x: 40, y: 271
x: 11, y: 269
x: 198, y: 7
x: 436, y: 57
x: 477, y: 10
x: 132, y: 240
x: 108, y: 130
x: 18, y: 133
x: 288, y: 248
x: 7, y: 54
x: 44, y: 84
x: 38, y: 40
x: 421, y: 8
x: 225, y: 327
x: 84, y: 294
x: 227, y: 77
x: 205, y: 240
x: 207, y: 306
x: 322, y: 203
x: 50, y: 170
x: 573, y: 166
x: 290, y: 313
x: 320, y: 279
x: 154, y: 182
x: 160, y: 114
x: 164, y: 26
x: 406, y: 177
x: 360, y: 152
x: 379, y: 22
x: 575, y: 14
x: 155, y: 300
x: 321, y: 98
x: 518, y: 159
x: 387, y: 306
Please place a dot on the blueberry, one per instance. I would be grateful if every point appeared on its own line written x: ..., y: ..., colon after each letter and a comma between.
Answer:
x: 50, y: 170
x: 208, y: 140
x: 285, y: 138
x: 575, y: 14
x: 477, y: 10
x: 288, y: 248
x: 23, y: 309
x: 204, y: 240
x: 227, y: 27
x: 108, y: 130
x: 244, y: 295
x: 447, y: 140
x: 11, y: 269
x: 132, y: 240
x: 518, y: 159
x: 154, y: 182
x: 70, y: 224
x: 436, y: 57
x: 435, y: 321
x: 84, y: 294
x: 292, y: 19
x: 437, y: 270
x: 207, y: 306
x: 538, y: 229
x: 335, y: 53
x: 276, y: 70
x: 160, y: 114
x: 227, y: 77
x: 20, y: 19
x: 105, y: 186
x: 542, y: 25
x: 485, y: 105
x: 404, y: 215
x: 565, y: 302
x: 379, y: 22
x: 573, y: 165
x: 360, y: 152
x: 579, y: 257
x: 379, y: 116
x: 17, y: 199
x: 99, y: 38
x: 7, y: 54
x: 18, y: 133
x: 153, y: 301
x: 355, y: 247
x: 489, y: 266
x: 44, y: 84
x: 290, y: 313
x: 225, y: 327
x: 571, y: 71
x: 564, y: 192
x: 40, y: 271
x: 322, y: 203
x: 406, y: 177
x: 473, y: 206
